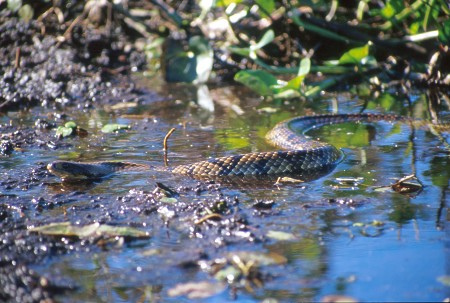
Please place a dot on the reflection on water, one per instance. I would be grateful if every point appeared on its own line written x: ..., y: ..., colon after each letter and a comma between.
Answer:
x: 376, y: 245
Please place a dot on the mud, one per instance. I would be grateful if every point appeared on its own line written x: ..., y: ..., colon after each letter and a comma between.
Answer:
x: 88, y: 70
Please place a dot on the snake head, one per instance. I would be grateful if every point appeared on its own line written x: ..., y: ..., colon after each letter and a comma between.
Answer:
x: 66, y: 170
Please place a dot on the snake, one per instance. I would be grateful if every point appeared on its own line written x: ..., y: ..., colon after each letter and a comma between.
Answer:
x: 298, y: 154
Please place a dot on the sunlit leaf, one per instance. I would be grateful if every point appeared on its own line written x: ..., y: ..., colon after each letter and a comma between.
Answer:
x: 268, y: 6
x: 26, y: 13
x: 251, y: 50
x: 66, y: 229
x: 388, y: 11
x: 355, y: 55
x: 196, y: 290
x: 257, y: 80
x: 267, y: 110
x: 444, y: 280
x: 63, y: 131
x: 242, y: 51
x: 305, y: 67
x: 168, y: 200
x: 262, y: 259
x: 227, y: 2
x: 110, y: 128
x: 14, y: 5
x: 280, y: 235
x: 265, y: 39
x: 227, y: 273
x: 70, y: 124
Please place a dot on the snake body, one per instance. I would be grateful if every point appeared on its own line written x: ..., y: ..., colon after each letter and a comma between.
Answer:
x: 300, y: 155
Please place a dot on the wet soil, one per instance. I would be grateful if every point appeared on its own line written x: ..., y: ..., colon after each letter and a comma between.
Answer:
x: 90, y: 70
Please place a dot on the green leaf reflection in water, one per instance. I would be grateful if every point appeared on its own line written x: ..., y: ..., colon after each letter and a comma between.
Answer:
x: 439, y: 171
x: 403, y: 210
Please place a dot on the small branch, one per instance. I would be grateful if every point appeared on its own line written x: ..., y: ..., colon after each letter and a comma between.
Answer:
x: 166, y: 138
x: 422, y: 36
x: 17, y: 61
x: 165, y: 145
x: 208, y: 217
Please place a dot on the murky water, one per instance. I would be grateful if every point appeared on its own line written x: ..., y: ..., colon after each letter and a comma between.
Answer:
x: 350, y: 236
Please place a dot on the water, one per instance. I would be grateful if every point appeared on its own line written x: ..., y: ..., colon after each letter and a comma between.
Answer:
x: 356, y: 239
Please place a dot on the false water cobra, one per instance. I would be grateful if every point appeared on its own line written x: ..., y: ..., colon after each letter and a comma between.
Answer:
x: 300, y: 155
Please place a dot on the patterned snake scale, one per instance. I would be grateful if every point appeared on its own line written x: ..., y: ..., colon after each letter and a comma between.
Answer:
x: 300, y: 155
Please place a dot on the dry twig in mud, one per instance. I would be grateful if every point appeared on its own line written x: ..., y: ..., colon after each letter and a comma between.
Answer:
x: 165, y: 145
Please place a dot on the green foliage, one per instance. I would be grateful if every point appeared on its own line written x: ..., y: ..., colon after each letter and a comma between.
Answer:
x: 26, y: 13
x: 268, y: 6
x: 266, y: 84
x: 356, y: 56
x: 14, y: 5
x: 260, y: 81
x: 193, y: 65
x: 444, y: 33
x: 271, y: 36
x: 67, y: 130
x: 251, y: 50
x: 114, y: 127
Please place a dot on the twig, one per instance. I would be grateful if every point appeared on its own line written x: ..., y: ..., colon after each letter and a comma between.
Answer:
x: 17, y: 61
x: 207, y: 217
x: 170, y: 12
x: 165, y: 145
x: 166, y: 138
x: 5, y: 103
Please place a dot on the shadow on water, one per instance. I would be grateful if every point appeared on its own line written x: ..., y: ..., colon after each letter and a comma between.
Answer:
x: 334, y: 232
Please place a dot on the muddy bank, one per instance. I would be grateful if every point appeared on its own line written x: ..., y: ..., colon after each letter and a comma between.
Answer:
x: 40, y: 70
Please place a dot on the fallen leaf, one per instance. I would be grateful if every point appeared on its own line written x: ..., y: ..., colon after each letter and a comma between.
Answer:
x: 280, y: 235
x: 109, y: 128
x: 196, y: 290
x: 91, y: 230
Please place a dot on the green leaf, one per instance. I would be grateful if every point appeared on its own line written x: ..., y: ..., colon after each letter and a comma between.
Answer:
x: 444, y: 32
x: 242, y: 51
x: 70, y: 124
x: 227, y: 2
x: 266, y: 39
x: 14, y: 5
x: 388, y: 11
x: 63, y: 131
x: 109, y: 128
x: 305, y: 66
x: 168, y: 200
x: 257, y: 80
x: 355, y: 55
x: 251, y: 50
x: 26, y: 13
x: 66, y: 229
x: 268, y: 6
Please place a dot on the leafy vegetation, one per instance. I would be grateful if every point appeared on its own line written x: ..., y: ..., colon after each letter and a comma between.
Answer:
x: 279, y: 49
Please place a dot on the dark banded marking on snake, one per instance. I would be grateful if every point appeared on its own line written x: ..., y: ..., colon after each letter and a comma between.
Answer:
x: 301, y: 155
